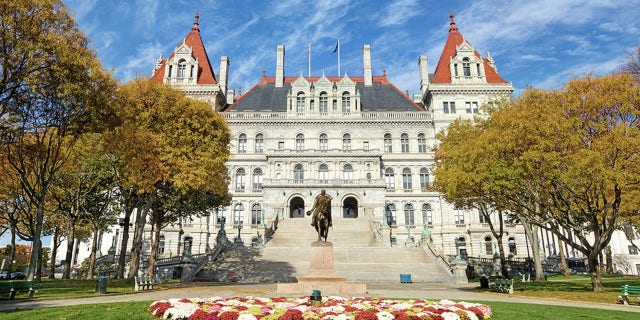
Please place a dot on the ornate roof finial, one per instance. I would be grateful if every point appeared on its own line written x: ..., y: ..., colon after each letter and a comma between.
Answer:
x: 195, y: 23
x: 452, y: 24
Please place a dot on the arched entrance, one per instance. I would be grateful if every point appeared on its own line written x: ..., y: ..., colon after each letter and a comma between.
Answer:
x: 350, y: 208
x: 296, y: 208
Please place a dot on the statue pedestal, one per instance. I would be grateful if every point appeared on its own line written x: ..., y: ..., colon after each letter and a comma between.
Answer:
x: 322, y: 276
x: 459, y: 271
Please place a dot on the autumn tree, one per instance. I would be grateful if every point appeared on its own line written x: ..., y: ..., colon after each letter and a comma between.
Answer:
x: 165, y: 140
x: 53, y: 88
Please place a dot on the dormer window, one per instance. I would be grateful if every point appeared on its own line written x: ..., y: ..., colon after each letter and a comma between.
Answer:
x: 182, y: 68
x: 466, y: 67
x: 346, y: 102
x: 300, y: 102
x: 324, y: 102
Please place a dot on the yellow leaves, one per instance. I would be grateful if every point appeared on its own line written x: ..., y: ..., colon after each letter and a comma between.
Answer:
x: 166, y: 137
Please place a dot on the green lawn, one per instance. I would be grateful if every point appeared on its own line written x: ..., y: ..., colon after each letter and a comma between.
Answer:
x: 138, y: 310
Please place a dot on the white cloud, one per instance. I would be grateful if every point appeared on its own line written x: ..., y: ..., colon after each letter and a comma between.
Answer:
x: 398, y: 12
x: 143, y: 58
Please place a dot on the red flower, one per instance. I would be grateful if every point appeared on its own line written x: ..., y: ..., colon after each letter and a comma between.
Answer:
x: 228, y: 315
x: 199, y: 315
x: 292, y: 314
x: 400, y: 315
x: 184, y: 300
x: 367, y: 315
x: 159, y: 308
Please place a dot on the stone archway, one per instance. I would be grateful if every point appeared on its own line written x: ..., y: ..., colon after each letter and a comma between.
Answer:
x: 296, y: 207
x: 350, y: 207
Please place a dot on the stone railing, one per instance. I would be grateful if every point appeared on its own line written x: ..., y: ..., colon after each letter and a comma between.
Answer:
x: 442, y: 258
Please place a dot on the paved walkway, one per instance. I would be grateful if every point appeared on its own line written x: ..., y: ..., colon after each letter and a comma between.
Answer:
x: 390, y: 290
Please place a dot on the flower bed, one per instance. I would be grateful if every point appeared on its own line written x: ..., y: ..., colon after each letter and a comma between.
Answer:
x: 337, y: 308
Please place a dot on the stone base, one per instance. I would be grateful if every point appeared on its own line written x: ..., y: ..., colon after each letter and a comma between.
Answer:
x: 321, y: 276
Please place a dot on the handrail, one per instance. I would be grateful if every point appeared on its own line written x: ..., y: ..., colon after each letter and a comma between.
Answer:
x: 443, y: 259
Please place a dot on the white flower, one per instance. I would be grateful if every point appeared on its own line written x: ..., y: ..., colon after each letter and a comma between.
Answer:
x: 450, y: 316
x: 385, y: 316
x: 183, y: 310
x: 342, y: 317
x: 247, y: 317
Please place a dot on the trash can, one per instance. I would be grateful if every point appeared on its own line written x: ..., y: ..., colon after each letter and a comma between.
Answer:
x: 101, y: 285
x: 484, y: 282
x: 405, y: 278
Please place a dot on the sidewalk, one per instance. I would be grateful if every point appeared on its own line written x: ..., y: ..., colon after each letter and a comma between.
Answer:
x: 432, y: 291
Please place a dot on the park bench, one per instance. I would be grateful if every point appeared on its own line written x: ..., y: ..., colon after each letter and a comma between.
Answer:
x: 143, y: 283
x: 15, y: 287
x: 503, y: 285
x: 629, y: 292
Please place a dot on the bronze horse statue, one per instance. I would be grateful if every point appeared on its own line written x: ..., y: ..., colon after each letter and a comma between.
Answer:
x: 321, y: 219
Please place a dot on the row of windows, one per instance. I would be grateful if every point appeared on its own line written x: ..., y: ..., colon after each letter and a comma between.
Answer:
x: 466, y: 68
x: 238, y: 214
x: 323, y: 143
x: 323, y: 106
x: 407, y: 179
x: 471, y: 107
x: 409, y: 214
x: 182, y: 69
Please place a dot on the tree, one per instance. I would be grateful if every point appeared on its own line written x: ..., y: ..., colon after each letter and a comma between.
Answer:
x: 632, y: 66
x: 53, y: 89
x: 165, y: 139
x: 575, y: 150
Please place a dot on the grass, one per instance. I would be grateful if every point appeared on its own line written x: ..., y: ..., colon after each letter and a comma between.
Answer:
x: 577, y: 288
x: 138, y: 310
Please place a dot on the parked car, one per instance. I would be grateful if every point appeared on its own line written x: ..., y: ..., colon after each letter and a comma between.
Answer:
x: 18, y: 275
x: 3, y: 275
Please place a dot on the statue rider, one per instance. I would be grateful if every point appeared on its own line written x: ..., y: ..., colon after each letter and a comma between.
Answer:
x: 321, y: 206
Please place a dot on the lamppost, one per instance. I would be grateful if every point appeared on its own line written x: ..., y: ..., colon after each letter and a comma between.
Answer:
x: 238, y: 240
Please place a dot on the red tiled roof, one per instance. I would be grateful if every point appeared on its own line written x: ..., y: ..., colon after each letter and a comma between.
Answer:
x: 193, y: 41
x: 443, y: 73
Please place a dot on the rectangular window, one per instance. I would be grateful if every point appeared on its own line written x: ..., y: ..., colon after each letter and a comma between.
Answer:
x: 467, y: 106
x: 335, y: 105
x: 445, y: 107
x: 482, y: 218
x: 475, y: 107
x: 455, y: 69
x: 458, y: 216
x: 281, y: 145
x: 312, y: 104
x: 365, y: 145
x: 452, y: 107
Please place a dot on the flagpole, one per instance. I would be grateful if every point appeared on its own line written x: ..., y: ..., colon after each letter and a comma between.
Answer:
x: 338, y: 56
x: 309, y: 51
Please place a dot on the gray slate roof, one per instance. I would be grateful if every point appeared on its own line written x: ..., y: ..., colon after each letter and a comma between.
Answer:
x: 378, y: 97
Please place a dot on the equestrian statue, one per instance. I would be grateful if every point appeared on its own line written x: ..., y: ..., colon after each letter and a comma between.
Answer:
x: 321, y: 215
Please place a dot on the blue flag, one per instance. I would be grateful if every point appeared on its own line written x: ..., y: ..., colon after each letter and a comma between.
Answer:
x: 337, y: 45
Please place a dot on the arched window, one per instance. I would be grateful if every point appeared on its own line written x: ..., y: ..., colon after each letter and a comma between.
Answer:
x: 256, y: 214
x: 347, y: 173
x: 323, y: 173
x: 324, y: 102
x: 346, y: 141
x: 300, y: 141
x: 388, y: 146
x: 257, y: 179
x: 390, y: 214
x: 389, y: 178
x: 324, y: 142
x: 238, y: 214
x: 409, y: 216
x: 259, y: 143
x: 513, y: 249
x: 427, y: 214
x: 300, y: 102
x: 422, y: 143
x: 406, y: 179
x: 424, y: 178
x: 346, y: 102
x: 298, y: 173
x: 240, y: 179
x: 182, y: 68
x: 466, y: 67
x: 488, y: 245
x: 242, y: 143
x: 404, y: 142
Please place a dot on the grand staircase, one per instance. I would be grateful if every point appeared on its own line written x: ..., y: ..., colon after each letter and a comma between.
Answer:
x: 358, y: 256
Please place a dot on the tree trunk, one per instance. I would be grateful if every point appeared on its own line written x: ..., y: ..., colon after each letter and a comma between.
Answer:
x: 12, y: 254
x: 503, y: 260
x: 71, y: 237
x: 154, y: 248
x: 596, y: 280
x: 563, y: 259
x: 38, y: 269
x: 36, y: 250
x: 92, y: 256
x: 136, y: 247
x: 55, y: 239
x: 122, y: 258
x: 609, y: 259
x: 532, y: 234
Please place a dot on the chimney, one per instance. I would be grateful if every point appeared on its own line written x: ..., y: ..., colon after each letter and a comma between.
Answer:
x: 230, y: 96
x: 424, y: 72
x: 366, y: 62
x: 224, y: 73
x: 280, y: 66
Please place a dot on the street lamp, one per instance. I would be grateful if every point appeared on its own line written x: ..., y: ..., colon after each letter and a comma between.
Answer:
x: 238, y: 240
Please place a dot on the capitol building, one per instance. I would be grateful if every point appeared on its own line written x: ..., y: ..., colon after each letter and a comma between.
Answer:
x: 359, y: 137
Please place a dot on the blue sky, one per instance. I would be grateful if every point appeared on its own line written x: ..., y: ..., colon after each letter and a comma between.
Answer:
x: 541, y: 43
